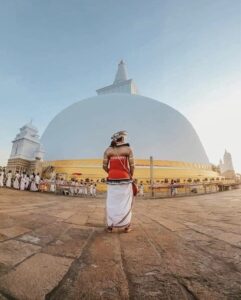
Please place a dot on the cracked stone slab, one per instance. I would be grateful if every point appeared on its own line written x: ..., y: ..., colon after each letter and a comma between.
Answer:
x: 198, y: 270
x: 35, y: 277
x: 45, y: 234
x: 13, y: 252
x: 11, y: 232
x: 229, y: 237
x: 70, y: 243
x: 99, y: 273
x: 79, y: 219
x: 148, y: 273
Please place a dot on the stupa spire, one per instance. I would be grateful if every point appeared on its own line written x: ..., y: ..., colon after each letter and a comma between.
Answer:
x: 121, y: 83
x: 121, y: 74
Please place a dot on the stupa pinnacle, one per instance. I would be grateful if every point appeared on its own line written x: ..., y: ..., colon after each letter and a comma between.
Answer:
x: 121, y: 83
x: 121, y: 74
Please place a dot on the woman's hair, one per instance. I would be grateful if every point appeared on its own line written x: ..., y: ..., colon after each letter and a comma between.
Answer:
x: 114, y: 142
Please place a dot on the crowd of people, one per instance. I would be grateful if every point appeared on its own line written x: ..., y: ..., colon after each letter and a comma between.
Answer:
x: 33, y: 182
x: 20, y: 181
x: 74, y: 187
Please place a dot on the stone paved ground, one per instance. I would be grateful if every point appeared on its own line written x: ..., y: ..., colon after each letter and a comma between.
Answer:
x: 55, y: 247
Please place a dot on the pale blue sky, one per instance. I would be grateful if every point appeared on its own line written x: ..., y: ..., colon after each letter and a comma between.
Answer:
x: 186, y: 53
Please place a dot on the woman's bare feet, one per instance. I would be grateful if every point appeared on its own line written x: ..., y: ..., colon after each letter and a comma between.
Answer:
x: 128, y: 229
x: 109, y: 229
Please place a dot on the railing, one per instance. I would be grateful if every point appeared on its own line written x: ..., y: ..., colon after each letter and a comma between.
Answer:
x: 187, y: 189
x: 157, y: 190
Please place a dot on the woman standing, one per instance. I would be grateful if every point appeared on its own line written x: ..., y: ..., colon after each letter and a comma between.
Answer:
x: 23, y: 182
x: 16, y: 181
x: 119, y: 164
x: 9, y: 179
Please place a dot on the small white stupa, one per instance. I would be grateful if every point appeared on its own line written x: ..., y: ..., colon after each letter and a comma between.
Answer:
x: 226, y: 166
x: 26, y: 149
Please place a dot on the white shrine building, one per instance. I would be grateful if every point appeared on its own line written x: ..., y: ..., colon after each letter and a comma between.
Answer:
x: 27, y: 150
x: 226, y: 166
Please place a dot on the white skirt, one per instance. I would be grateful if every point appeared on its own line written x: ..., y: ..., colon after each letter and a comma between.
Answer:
x: 33, y: 187
x: 16, y: 184
x: 22, y: 185
x: 119, y: 204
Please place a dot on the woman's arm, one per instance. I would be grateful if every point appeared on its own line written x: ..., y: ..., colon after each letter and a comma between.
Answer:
x: 106, y: 161
x: 131, y: 162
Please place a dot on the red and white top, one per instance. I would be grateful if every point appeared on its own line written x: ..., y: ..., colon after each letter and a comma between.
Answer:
x: 118, y: 168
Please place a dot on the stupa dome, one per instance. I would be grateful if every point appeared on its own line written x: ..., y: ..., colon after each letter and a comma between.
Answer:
x: 83, y: 130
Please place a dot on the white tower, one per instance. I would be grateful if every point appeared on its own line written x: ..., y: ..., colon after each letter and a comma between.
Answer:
x: 121, y: 74
x: 26, y: 149
x: 26, y: 143
x: 121, y: 83
x: 226, y: 166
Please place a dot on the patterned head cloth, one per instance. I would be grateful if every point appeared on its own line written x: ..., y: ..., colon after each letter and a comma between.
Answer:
x: 118, y: 135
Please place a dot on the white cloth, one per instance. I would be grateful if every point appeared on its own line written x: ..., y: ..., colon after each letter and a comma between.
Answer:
x: 9, y: 180
x: 1, y: 178
x: 22, y: 182
x: 94, y: 191
x: 27, y: 180
x: 37, y: 179
x: 80, y: 189
x: 52, y: 186
x: 141, y: 190
x: 72, y: 189
x: 33, y: 186
x: 91, y: 189
x: 86, y: 190
x: 76, y: 188
x: 16, y: 181
x: 119, y: 204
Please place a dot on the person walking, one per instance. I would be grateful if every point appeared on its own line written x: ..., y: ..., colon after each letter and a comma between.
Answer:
x: 118, y: 162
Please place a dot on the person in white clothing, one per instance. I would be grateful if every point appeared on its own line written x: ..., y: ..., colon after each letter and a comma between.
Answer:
x: 9, y: 179
x: 94, y: 190
x: 72, y: 189
x: 52, y: 185
x: 76, y: 190
x: 16, y: 181
x: 1, y: 178
x: 91, y: 189
x: 23, y: 182
x: 86, y: 189
x: 33, y: 187
x: 80, y: 188
x: 37, y: 180
x: 27, y: 182
x: 141, y: 190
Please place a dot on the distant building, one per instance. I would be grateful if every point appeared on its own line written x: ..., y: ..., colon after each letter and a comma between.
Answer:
x: 226, y: 166
x: 27, y: 151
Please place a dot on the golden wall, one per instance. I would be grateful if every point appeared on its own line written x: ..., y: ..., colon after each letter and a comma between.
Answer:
x: 92, y: 169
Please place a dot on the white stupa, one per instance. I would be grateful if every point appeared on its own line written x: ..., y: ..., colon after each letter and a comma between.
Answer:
x: 227, y: 164
x: 83, y: 130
